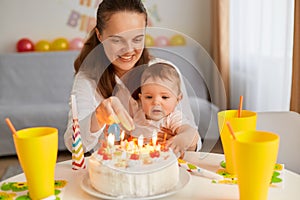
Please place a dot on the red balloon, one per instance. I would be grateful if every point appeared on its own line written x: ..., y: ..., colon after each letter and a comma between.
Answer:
x: 25, y: 45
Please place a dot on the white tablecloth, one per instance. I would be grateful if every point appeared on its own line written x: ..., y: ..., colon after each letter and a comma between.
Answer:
x: 197, y: 188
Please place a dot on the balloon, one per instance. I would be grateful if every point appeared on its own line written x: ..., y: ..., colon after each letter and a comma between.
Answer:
x: 177, y: 40
x: 59, y: 44
x: 76, y: 44
x: 114, y: 129
x: 161, y: 41
x: 24, y: 45
x: 42, y: 45
x: 149, y: 41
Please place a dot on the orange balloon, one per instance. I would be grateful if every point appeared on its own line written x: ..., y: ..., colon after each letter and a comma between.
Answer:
x: 42, y: 45
x: 60, y: 44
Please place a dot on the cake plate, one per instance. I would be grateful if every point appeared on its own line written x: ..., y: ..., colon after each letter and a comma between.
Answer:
x: 184, y: 178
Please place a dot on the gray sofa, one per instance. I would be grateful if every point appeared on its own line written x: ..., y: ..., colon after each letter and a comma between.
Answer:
x: 34, y: 91
x: 35, y: 88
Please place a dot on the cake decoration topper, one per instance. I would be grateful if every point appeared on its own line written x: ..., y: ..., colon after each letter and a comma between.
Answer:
x: 78, y: 160
x: 115, y: 129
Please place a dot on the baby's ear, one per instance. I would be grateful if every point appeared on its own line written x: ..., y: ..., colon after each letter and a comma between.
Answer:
x: 180, y: 96
x: 140, y: 95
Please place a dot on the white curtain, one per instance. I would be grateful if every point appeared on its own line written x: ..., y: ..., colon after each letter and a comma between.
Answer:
x: 261, y: 42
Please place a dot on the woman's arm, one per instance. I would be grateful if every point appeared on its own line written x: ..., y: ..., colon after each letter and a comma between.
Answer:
x: 94, y: 112
x: 87, y: 102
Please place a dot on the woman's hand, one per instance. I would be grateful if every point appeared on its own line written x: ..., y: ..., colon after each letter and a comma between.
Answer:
x: 112, y: 111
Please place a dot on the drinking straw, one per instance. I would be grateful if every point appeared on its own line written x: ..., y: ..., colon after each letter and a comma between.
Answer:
x: 230, y: 130
x: 240, y: 107
x: 11, y: 126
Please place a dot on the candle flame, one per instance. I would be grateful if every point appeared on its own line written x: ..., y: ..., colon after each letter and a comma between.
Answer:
x: 154, y: 137
x: 140, y: 140
x: 111, y: 139
x: 122, y: 135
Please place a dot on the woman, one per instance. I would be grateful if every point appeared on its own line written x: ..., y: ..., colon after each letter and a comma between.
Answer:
x: 115, y: 46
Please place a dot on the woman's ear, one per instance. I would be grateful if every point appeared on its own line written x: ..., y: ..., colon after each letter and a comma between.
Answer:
x: 98, y: 35
x: 140, y: 95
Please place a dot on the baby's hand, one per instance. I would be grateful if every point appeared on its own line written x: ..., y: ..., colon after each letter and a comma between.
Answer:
x: 179, y: 144
x: 164, y: 134
x: 186, y: 138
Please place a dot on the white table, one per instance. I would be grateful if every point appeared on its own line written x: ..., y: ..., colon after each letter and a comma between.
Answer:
x: 197, y: 188
x: 287, y: 126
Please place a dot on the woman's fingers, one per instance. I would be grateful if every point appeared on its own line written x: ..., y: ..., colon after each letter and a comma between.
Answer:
x: 105, y: 113
x: 120, y: 114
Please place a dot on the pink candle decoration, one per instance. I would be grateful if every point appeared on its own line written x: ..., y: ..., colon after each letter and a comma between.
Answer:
x: 78, y: 160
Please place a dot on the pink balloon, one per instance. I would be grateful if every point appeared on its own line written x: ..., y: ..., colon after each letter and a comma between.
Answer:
x: 161, y: 41
x: 76, y: 44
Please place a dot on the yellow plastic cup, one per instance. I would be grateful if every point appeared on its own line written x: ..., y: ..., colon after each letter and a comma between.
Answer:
x: 247, y: 121
x: 37, y: 149
x: 255, y: 155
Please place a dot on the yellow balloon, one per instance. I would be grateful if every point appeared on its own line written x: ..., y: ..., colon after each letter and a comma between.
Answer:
x: 42, y: 45
x: 60, y: 44
x: 177, y: 40
x: 149, y: 41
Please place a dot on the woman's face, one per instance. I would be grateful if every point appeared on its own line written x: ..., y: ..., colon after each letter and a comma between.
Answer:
x: 123, y: 40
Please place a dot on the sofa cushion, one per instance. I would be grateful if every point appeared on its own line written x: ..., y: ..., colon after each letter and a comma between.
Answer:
x: 36, y: 78
x: 24, y: 116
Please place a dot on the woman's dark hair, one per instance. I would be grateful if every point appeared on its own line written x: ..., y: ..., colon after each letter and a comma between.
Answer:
x: 105, y: 10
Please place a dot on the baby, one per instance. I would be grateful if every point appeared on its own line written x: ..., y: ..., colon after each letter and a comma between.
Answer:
x: 160, y: 94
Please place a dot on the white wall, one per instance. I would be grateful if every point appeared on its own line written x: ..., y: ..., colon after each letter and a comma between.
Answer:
x: 48, y: 19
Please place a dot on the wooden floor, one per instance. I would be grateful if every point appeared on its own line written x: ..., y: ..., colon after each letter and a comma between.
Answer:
x: 66, y: 155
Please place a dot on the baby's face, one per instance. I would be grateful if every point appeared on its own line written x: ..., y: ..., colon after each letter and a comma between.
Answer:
x: 157, y: 101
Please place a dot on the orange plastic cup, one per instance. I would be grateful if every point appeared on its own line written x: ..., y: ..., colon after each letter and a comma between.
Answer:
x: 247, y: 121
x: 37, y: 149
x: 255, y: 155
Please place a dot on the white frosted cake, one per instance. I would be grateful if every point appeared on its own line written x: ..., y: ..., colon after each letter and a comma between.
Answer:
x: 133, y: 172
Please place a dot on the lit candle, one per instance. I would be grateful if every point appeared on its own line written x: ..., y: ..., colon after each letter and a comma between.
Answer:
x: 140, y: 141
x: 111, y: 140
x: 158, y: 147
x: 154, y: 138
x: 122, y: 135
x: 165, y: 139
x: 140, y: 144
x: 122, y: 141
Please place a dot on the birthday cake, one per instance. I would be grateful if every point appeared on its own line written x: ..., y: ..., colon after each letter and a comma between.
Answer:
x: 129, y: 170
